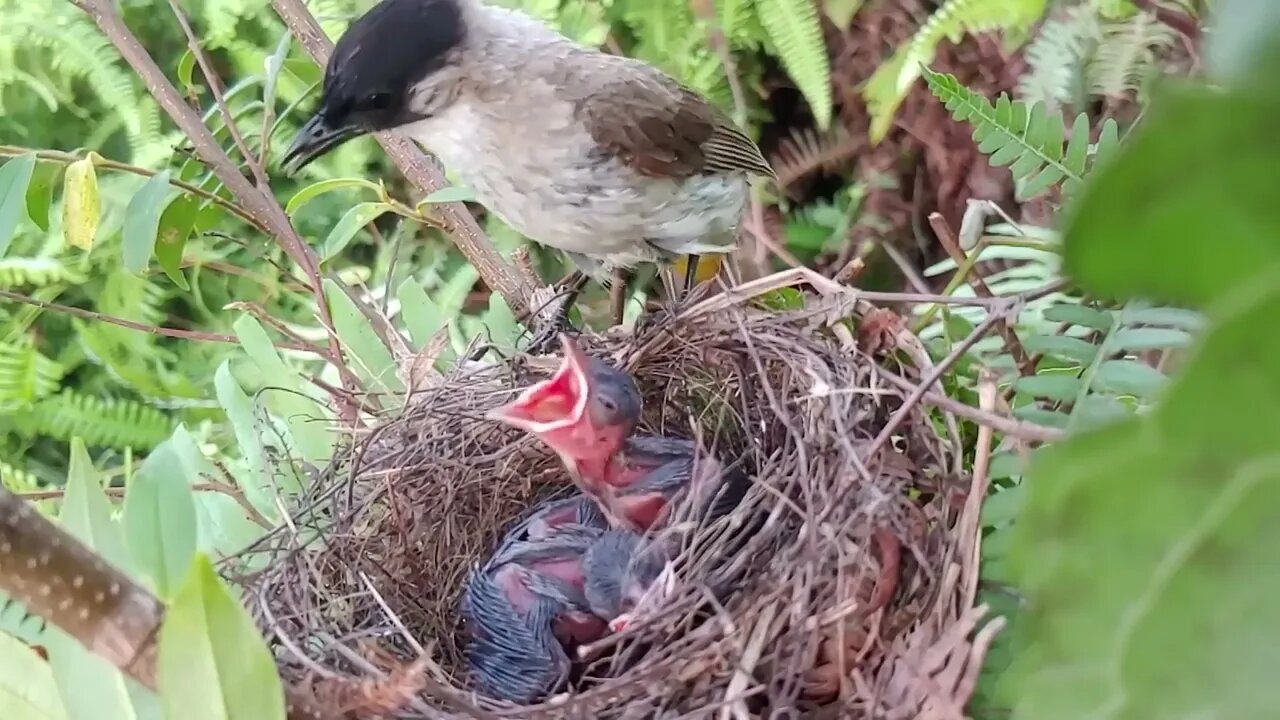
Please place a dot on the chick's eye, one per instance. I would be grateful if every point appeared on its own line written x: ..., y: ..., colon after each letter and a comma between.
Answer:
x: 378, y: 101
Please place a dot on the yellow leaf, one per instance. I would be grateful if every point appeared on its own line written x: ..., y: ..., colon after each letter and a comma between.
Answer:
x: 81, y: 205
x: 708, y: 266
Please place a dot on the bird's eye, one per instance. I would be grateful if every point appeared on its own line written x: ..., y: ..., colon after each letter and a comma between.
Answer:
x: 378, y: 101
x: 607, y: 404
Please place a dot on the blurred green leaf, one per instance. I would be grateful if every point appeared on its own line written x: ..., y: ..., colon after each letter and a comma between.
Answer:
x: 1050, y: 386
x: 239, y: 408
x: 311, y: 192
x: 213, y: 664
x: 27, y: 687
x: 363, y: 347
x: 309, y: 421
x: 1061, y: 346
x: 1081, y: 315
x: 142, y: 222
x: 160, y: 519
x: 1243, y: 48
x: 90, y: 686
x: 40, y: 194
x: 1128, y: 376
x: 15, y: 177
x: 186, y: 69
x: 175, y: 228
x: 422, y: 316
x: 452, y: 193
x: 1149, y: 338
x: 1119, y: 235
x: 354, y: 219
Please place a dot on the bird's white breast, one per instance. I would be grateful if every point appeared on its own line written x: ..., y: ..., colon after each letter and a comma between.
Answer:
x: 512, y: 139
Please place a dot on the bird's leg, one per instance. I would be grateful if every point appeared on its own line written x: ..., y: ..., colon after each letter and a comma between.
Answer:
x: 553, y: 318
x: 690, y: 277
x: 618, y: 294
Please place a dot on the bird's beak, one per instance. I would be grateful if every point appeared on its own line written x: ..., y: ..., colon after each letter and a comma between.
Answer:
x: 553, y: 404
x: 315, y: 138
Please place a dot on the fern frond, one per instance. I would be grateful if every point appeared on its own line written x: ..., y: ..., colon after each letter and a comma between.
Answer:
x: 1127, y: 54
x: 889, y: 85
x: 1056, y: 56
x: 25, y: 375
x: 37, y: 272
x: 805, y: 151
x: 1028, y: 140
x: 794, y: 28
x: 1102, y: 364
x: 107, y: 422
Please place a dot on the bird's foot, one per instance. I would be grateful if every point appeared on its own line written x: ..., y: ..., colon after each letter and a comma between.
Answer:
x: 552, y: 316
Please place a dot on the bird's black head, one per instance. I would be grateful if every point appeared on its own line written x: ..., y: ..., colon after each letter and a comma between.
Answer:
x: 374, y: 80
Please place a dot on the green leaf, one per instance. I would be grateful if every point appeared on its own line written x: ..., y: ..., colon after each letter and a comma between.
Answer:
x: 1173, y: 317
x: 15, y: 177
x: 1052, y: 386
x: 501, y: 322
x: 422, y: 316
x: 1061, y: 346
x: 1079, y: 315
x: 160, y: 519
x: 213, y: 664
x: 311, y: 192
x: 40, y: 193
x: 363, y: 346
x: 1223, y: 148
x: 841, y: 12
x: 1128, y: 376
x: 175, y: 228
x: 453, y: 193
x: 142, y: 222
x: 308, y: 418
x: 81, y: 204
x: 239, y: 408
x: 187, y: 69
x: 1149, y: 338
x: 89, y: 685
x: 354, y: 219
x: 27, y: 688
x: 1146, y: 549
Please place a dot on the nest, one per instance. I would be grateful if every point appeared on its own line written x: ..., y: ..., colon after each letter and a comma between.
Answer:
x: 850, y: 567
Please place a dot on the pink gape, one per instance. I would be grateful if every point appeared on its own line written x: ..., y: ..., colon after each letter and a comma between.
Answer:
x: 587, y: 412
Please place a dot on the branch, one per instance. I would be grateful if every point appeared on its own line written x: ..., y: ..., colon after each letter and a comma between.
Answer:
x: 257, y: 201
x: 58, y: 578
x: 515, y: 287
x: 151, y: 329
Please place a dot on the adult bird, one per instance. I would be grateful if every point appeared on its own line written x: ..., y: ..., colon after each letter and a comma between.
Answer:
x: 601, y: 156
x: 588, y: 412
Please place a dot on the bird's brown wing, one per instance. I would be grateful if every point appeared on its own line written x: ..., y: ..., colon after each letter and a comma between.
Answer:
x: 662, y: 129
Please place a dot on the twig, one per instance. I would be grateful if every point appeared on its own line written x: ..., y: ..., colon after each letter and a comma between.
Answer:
x: 58, y: 578
x: 150, y: 329
x: 515, y: 287
x: 258, y: 201
x: 1008, y: 426
x: 947, y: 239
x: 970, y: 541
x: 230, y: 491
x: 66, y: 158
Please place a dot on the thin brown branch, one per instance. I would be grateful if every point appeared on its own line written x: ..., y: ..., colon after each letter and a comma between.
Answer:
x: 66, y: 158
x: 258, y: 201
x: 948, y: 240
x: 515, y: 287
x: 58, y: 578
x: 150, y: 329
x: 229, y: 490
x: 1011, y: 427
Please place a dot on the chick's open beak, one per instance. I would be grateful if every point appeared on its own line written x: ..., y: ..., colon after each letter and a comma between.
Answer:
x: 558, y: 403
x: 315, y: 138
